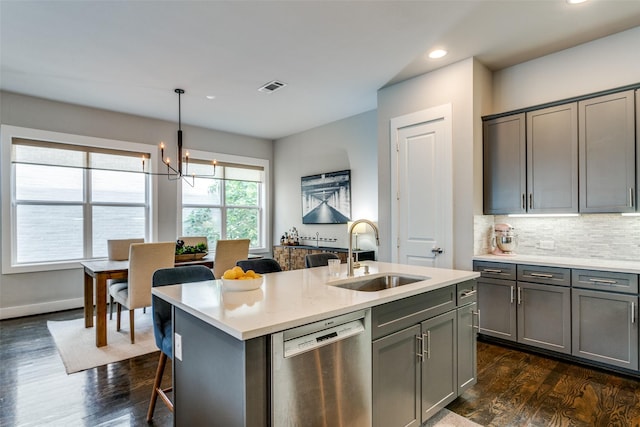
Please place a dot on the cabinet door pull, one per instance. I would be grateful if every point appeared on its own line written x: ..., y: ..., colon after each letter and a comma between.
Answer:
x: 543, y: 275
x: 519, y: 296
x: 492, y: 270
x: 524, y: 201
x: 420, y: 344
x: 428, y: 344
x: 604, y: 281
x: 511, y: 294
x: 630, y: 197
x: 468, y: 293
x: 530, y: 200
x: 633, y: 312
x: 475, y: 313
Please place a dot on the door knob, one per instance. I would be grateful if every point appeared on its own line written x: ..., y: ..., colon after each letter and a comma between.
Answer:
x: 437, y: 250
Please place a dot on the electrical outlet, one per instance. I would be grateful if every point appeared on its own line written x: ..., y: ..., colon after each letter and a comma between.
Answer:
x: 547, y: 244
x: 177, y: 341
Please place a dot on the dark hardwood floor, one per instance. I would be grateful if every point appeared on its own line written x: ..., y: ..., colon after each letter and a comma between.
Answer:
x: 515, y: 388
x: 518, y: 388
x: 35, y: 390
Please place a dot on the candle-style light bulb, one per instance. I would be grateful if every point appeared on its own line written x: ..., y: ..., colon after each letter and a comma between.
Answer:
x: 162, y: 150
x: 215, y: 162
x: 142, y: 163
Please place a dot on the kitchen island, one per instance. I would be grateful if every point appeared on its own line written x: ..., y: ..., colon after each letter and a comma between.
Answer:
x: 223, y: 352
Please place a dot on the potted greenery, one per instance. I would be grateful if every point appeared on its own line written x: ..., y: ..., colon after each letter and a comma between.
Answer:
x: 190, y: 253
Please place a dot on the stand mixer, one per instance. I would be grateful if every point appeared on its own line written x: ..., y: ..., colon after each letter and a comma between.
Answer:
x: 504, y: 240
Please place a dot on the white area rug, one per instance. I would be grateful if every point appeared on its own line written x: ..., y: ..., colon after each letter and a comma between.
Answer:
x: 446, y: 418
x: 77, y: 344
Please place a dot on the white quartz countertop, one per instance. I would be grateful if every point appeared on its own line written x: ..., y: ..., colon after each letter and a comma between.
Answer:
x: 292, y: 298
x: 586, y: 263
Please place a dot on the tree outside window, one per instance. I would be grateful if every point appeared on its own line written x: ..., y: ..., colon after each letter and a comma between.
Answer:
x: 222, y: 208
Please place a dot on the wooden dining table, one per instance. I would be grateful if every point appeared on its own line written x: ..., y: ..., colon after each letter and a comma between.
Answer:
x: 99, y: 272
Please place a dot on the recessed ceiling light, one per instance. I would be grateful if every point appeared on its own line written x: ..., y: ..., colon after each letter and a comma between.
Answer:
x: 211, y: 97
x: 576, y: 1
x: 437, y: 53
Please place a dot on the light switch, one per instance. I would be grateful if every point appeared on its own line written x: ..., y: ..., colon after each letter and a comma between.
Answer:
x: 177, y: 341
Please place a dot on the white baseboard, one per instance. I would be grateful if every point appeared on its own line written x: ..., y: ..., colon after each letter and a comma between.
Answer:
x: 46, y: 307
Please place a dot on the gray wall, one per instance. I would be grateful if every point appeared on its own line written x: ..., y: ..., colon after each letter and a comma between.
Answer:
x: 603, y: 64
x: 350, y: 143
x: 29, y: 293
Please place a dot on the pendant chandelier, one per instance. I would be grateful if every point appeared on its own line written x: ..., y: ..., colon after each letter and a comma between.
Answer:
x: 181, y: 171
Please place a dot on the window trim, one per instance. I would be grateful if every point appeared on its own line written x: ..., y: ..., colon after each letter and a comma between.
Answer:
x: 265, y: 218
x: 7, y: 133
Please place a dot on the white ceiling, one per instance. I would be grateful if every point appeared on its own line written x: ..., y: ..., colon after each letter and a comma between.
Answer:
x: 128, y: 56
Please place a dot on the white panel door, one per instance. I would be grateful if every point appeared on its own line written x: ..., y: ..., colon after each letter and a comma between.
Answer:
x: 422, y: 216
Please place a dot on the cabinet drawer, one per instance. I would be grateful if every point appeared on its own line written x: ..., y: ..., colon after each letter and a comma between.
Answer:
x: 467, y: 292
x: 394, y: 316
x: 546, y: 275
x: 495, y: 270
x: 605, y: 281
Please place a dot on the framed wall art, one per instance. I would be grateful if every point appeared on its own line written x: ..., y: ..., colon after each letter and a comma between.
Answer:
x: 326, y: 198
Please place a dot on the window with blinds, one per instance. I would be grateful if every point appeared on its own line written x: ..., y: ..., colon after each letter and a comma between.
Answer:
x: 69, y: 199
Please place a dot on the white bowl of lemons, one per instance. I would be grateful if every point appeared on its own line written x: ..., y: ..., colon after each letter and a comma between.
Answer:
x: 236, y: 279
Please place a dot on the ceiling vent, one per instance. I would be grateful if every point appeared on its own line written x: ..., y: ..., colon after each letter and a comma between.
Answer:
x: 272, y: 86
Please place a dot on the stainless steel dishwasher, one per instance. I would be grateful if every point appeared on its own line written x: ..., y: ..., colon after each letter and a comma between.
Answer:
x: 321, y: 373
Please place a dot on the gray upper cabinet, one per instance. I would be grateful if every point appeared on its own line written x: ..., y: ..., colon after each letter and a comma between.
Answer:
x: 505, y: 165
x: 552, y: 159
x: 637, y: 149
x: 580, y: 156
x: 607, y: 153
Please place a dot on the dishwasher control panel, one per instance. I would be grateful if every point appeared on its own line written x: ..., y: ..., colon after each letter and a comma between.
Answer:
x: 317, y: 339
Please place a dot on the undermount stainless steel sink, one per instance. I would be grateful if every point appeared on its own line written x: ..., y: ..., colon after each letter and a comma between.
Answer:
x: 378, y: 283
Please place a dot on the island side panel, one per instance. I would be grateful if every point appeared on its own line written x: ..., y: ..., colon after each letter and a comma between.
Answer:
x: 220, y: 381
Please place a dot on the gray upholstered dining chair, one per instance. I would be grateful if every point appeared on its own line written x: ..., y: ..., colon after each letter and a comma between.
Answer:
x: 162, y: 326
x: 118, y: 250
x: 260, y: 265
x: 144, y: 260
x: 228, y: 252
x: 318, y: 260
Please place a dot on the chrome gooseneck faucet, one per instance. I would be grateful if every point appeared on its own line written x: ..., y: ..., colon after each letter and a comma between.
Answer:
x: 350, y: 255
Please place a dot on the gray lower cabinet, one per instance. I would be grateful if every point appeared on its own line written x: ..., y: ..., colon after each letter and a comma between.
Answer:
x: 467, y: 349
x: 415, y: 363
x: 396, y: 379
x: 536, y: 314
x: 414, y: 372
x: 605, y: 327
x: 605, y: 317
x: 544, y: 316
x: 439, y: 363
x: 496, y: 304
x: 588, y: 314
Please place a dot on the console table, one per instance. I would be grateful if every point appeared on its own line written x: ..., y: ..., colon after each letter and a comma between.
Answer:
x: 292, y: 257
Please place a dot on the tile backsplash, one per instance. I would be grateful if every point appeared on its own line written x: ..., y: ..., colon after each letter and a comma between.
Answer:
x: 609, y: 236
